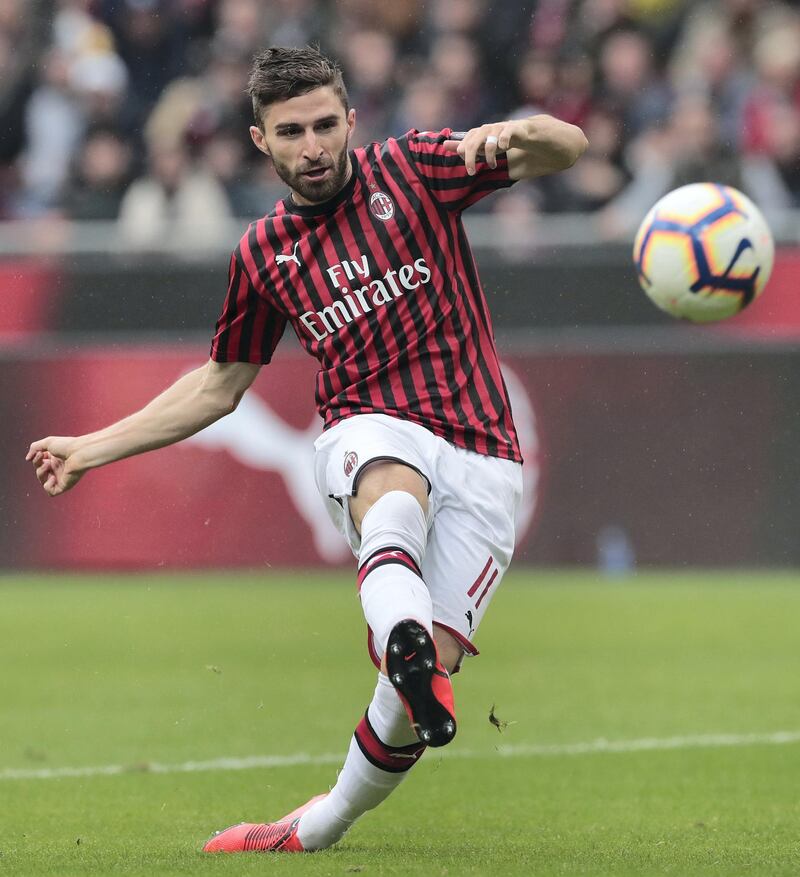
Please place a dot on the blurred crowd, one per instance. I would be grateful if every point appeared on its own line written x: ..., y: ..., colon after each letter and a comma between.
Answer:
x: 134, y: 110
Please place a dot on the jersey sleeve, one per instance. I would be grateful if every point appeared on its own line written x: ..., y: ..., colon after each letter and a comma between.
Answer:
x: 445, y: 174
x: 249, y: 327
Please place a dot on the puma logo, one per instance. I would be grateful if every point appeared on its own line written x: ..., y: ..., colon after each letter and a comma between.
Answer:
x: 283, y: 258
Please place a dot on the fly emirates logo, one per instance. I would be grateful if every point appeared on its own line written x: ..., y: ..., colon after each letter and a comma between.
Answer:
x: 357, y: 300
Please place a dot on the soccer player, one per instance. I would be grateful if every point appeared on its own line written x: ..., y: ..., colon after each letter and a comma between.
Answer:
x: 418, y: 461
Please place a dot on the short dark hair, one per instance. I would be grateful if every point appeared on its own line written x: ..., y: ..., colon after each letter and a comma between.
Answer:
x: 279, y: 74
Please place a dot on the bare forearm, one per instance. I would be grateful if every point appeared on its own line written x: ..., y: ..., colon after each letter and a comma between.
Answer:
x: 183, y: 409
x: 190, y: 404
x: 543, y: 144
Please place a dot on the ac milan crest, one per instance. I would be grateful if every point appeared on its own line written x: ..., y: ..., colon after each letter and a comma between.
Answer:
x: 382, y: 206
x: 350, y: 462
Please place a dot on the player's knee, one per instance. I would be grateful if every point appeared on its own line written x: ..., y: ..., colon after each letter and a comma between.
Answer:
x: 382, y: 478
x: 394, y: 520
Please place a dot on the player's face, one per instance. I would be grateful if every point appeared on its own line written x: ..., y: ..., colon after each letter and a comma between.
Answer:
x: 307, y: 138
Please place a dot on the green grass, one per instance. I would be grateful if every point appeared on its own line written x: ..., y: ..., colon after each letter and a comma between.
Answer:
x: 166, y: 669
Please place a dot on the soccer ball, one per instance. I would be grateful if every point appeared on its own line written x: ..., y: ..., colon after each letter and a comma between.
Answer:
x: 703, y: 252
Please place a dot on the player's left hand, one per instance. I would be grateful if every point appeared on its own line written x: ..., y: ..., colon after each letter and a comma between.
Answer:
x: 488, y: 141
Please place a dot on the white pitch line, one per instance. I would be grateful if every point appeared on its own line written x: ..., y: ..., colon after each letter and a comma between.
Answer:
x: 645, y: 744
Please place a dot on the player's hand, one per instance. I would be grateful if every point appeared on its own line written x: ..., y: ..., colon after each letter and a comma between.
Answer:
x: 54, y: 463
x: 488, y: 141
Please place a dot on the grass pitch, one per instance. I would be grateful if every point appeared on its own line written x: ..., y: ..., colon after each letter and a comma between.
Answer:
x: 159, y: 677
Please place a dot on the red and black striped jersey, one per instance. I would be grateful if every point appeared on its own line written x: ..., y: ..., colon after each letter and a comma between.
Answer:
x: 380, y: 286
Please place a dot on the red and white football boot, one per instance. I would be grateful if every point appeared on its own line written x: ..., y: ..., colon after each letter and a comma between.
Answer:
x: 414, y: 668
x: 265, y: 837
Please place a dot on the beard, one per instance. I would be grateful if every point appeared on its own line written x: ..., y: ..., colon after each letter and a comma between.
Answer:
x: 312, y: 190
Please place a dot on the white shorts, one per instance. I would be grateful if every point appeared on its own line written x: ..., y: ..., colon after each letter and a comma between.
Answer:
x: 472, y: 502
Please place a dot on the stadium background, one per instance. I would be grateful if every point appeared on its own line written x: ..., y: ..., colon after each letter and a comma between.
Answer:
x: 126, y: 175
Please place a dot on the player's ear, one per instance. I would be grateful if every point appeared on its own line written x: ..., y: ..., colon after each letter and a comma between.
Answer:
x: 351, y: 120
x: 257, y: 136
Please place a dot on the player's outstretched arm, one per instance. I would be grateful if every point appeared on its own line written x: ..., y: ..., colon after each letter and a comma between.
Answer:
x: 535, y: 146
x: 189, y: 405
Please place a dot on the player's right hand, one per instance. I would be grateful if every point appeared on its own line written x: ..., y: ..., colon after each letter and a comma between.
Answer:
x: 53, y: 461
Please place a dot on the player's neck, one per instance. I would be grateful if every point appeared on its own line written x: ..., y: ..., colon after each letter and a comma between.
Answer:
x: 300, y: 201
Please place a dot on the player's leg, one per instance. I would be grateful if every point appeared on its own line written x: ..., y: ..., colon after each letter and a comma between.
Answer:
x: 465, y: 557
x: 389, y: 511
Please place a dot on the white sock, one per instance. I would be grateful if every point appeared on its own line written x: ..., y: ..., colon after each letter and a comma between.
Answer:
x: 382, y: 750
x: 394, y: 532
